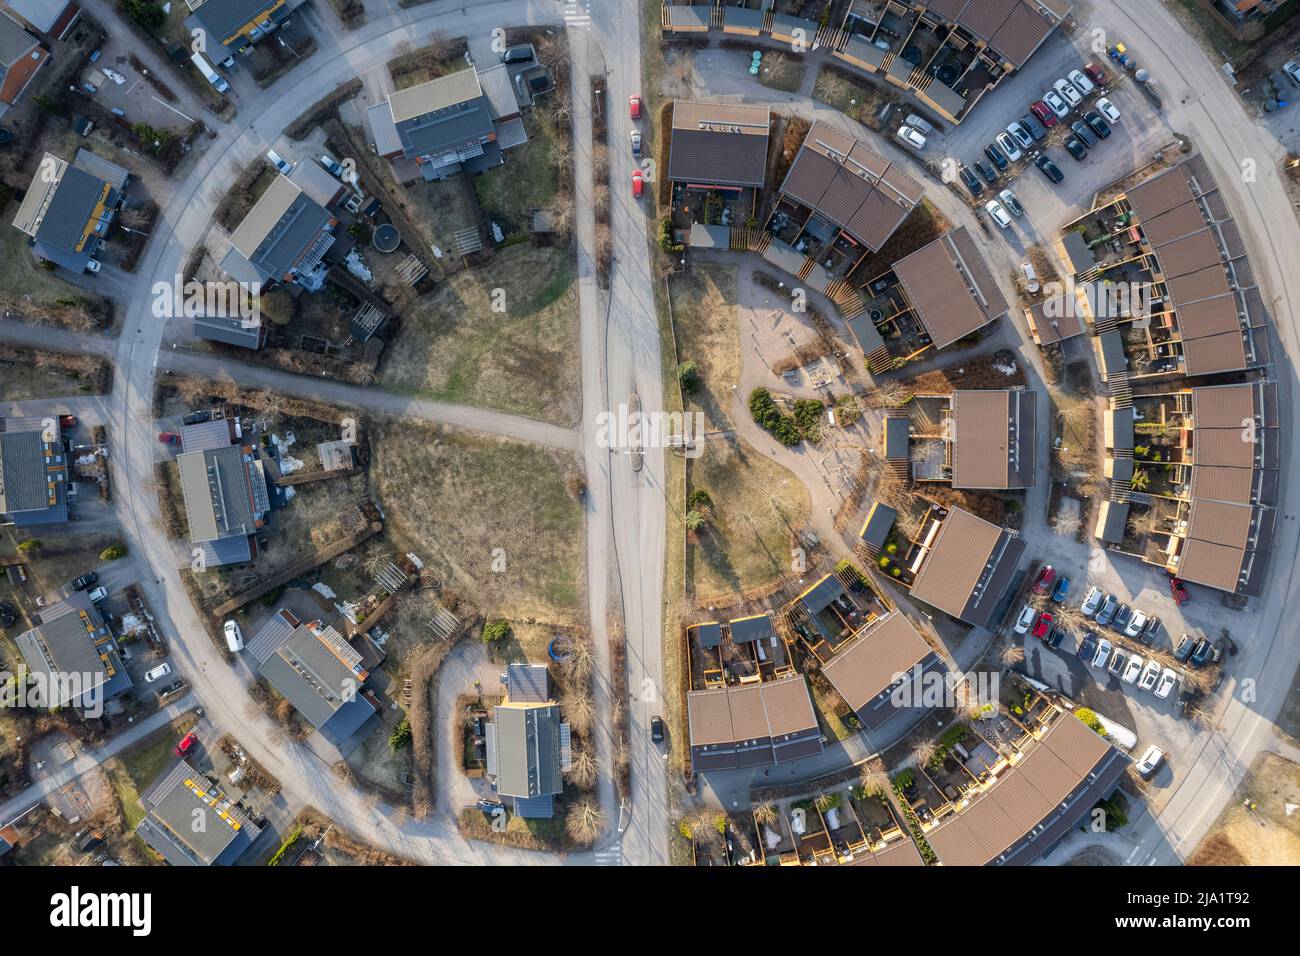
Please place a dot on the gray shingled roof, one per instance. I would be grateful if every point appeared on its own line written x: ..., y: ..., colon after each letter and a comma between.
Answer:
x: 175, y: 802
x: 320, y: 674
x: 70, y: 209
x: 221, y: 18
x: 528, y: 750
x: 218, y: 492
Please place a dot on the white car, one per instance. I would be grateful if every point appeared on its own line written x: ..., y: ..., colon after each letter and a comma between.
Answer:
x: 281, y: 164
x: 1021, y: 135
x: 92, y: 265
x: 1026, y: 619
x: 1149, y: 762
x: 1091, y: 601
x: 1292, y: 69
x: 1132, y: 669
x: 1107, y: 109
x: 158, y: 673
x: 1103, y: 653
x: 97, y: 595
x: 1056, y: 104
x: 1008, y: 145
x: 1167, y: 681
x: 911, y: 137
x: 997, y: 213
x: 1150, y: 674
x: 1067, y: 92
x: 1081, y: 82
x: 234, y: 637
x: 919, y: 123
x: 1136, y: 623
x: 1012, y: 202
x: 1031, y: 276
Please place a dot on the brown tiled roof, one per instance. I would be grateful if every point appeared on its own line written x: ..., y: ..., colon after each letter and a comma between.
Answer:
x: 1225, y: 352
x: 1160, y: 193
x: 1223, y: 406
x: 1022, y: 33
x: 1189, y: 254
x: 867, y: 667
x: 748, y: 721
x: 719, y: 143
x: 1220, y: 522
x: 1214, y: 565
x: 956, y: 562
x: 1065, y: 321
x: 993, y: 438
x: 1199, y: 285
x: 1209, y: 317
x: 788, y: 705
x: 1222, y: 483
x: 1168, y: 226
x: 709, y: 714
x: 1222, y: 446
x: 950, y: 288
x: 752, y: 724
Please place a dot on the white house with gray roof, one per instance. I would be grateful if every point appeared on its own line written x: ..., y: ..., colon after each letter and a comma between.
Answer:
x: 33, y: 472
x: 73, y: 654
x: 225, y: 492
x: 69, y: 207
x: 283, y: 238
x: 528, y: 743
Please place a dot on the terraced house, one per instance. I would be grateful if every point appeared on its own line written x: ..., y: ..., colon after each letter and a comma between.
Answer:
x: 237, y: 24
x: 69, y: 207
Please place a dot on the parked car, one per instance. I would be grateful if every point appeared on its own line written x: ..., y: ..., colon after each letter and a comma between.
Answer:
x: 1103, y: 653
x: 1023, y: 138
x: 491, y: 808
x: 1059, y: 107
x: 1179, y: 591
x: 1107, y: 109
x: 98, y: 595
x: 1183, y: 649
x: 332, y: 166
x: 1012, y: 202
x: 1026, y: 619
x: 234, y: 637
x: 1122, y: 616
x: 971, y: 180
x: 67, y: 421
x: 997, y: 213
x: 1132, y: 668
x: 638, y: 183
x: 634, y: 106
x: 1043, y: 582
x: 1149, y: 762
x: 169, y: 438
x: 919, y: 123
x: 1034, y: 125
x: 1067, y: 91
x: 1061, y: 590
x: 1095, y: 73
x: 657, y: 729
x: 1088, y: 646
x: 186, y: 745
x: 911, y: 136
x: 1092, y: 601
x: 1049, y: 168
x: 995, y: 156
x: 1084, y: 133
x: 1043, y: 626
x: 1075, y: 148
x: 1168, y: 678
x: 1097, y: 124
x: 520, y: 53
x: 1137, y: 623
x: 1150, y: 674
x: 279, y: 162
x: 1080, y: 82
x: 197, y: 418
x: 1031, y: 277
x: 1118, y: 660
x: 1109, y: 608
x: 1292, y: 69
x: 1150, y: 632
x: 1008, y: 145
x: 85, y: 581
x: 636, y: 142
x: 989, y: 175
x: 158, y: 673
x: 1200, y: 654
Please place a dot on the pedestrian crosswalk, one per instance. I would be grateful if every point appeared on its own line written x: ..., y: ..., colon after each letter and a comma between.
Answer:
x: 610, y: 856
x: 577, y: 13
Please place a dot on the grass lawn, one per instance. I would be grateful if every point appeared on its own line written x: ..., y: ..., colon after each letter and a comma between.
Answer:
x: 860, y: 100
x: 529, y: 177
x: 526, y: 643
x: 455, y: 347
x: 704, y: 312
x: 24, y: 382
x: 38, y: 295
x: 62, y: 556
x: 452, y: 498
x: 133, y: 771
x: 782, y: 71
x: 757, y: 507
x: 441, y: 209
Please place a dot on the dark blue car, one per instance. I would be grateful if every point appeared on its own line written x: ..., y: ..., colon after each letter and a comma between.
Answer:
x: 1061, y: 590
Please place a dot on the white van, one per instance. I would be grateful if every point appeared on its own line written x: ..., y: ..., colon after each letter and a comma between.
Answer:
x: 203, y: 66
x: 234, y: 637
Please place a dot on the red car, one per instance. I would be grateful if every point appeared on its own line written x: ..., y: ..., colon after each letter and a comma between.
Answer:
x: 1044, y: 625
x: 67, y: 421
x: 169, y: 438
x: 1044, y: 113
x: 1043, y: 582
x: 634, y: 106
x: 638, y: 183
x: 1095, y: 73
x: 186, y: 745
x: 1179, y: 591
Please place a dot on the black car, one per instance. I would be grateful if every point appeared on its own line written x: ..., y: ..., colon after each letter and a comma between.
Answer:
x: 8, y: 615
x: 196, y: 418
x: 1049, y: 168
x: 1201, y: 654
x: 1148, y: 633
x: 990, y: 177
x: 995, y: 156
x: 1075, y: 148
x: 1122, y: 617
x: 1036, y: 129
x: 1055, y: 637
x: 1097, y: 124
x: 657, y: 729
x: 971, y: 180
x: 1085, y: 134
x: 85, y: 581
x: 491, y: 807
x: 1088, y: 646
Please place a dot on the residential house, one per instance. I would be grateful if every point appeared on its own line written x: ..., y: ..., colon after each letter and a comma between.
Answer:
x: 69, y: 207
x: 34, y: 472
x: 237, y: 24
x: 21, y: 58
x: 965, y: 566
x: 73, y: 654
x: 528, y: 742
x: 191, y: 820
x: 752, y: 725
x: 283, y: 239
x: 315, y: 668
x: 460, y: 122
x: 54, y: 18
x: 993, y: 438
x: 1247, y: 20
x: 719, y: 147
x: 881, y: 672
x: 225, y: 492
x: 949, y: 288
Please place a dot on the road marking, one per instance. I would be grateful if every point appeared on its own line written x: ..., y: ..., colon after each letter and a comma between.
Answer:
x: 610, y: 857
x: 577, y: 13
x: 174, y: 109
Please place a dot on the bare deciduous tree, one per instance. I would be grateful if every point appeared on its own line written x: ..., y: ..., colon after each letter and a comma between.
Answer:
x: 585, y: 821
x: 583, y: 770
x: 579, y: 711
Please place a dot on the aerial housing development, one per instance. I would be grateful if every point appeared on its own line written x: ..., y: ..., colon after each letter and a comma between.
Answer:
x: 763, y: 433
